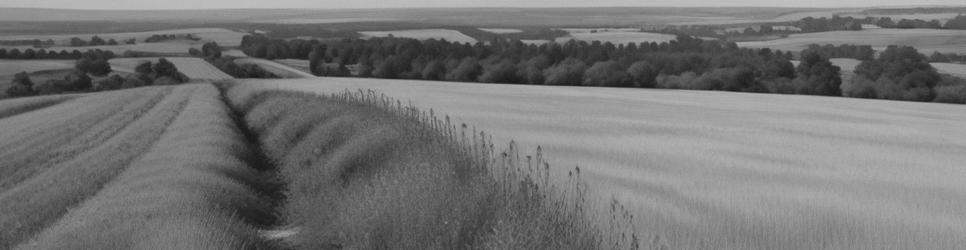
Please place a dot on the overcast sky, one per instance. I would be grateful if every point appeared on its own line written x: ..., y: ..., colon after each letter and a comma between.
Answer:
x: 325, y: 4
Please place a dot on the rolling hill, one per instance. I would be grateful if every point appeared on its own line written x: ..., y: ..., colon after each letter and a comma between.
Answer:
x: 730, y: 170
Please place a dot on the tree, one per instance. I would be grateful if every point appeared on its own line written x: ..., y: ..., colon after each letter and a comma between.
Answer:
x: 606, y: 73
x: 111, y: 83
x: 78, y: 80
x: 144, y: 68
x: 165, y: 68
x: 570, y: 71
x: 818, y: 76
x: 642, y: 74
x: 467, y: 71
x: 211, y: 49
x: 21, y: 85
x: 502, y: 71
x: 434, y: 70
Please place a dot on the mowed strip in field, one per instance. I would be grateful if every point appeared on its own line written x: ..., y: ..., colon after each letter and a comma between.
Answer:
x: 423, y: 34
x: 722, y: 170
x: 925, y: 40
x: 193, y: 67
x: 146, y: 168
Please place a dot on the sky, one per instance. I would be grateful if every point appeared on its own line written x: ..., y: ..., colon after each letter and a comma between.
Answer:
x: 343, y: 4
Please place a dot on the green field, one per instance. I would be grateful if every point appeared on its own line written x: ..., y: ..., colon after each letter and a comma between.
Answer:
x: 724, y: 170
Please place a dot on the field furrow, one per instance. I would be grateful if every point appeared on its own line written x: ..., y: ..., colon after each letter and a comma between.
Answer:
x: 192, y: 190
x: 49, y: 193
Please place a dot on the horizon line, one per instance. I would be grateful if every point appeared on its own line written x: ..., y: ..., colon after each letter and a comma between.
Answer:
x: 490, y: 7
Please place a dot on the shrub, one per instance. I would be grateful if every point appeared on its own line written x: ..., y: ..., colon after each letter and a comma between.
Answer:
x: 79, y: 80
x: 111, y: 83
x: 51, y: 87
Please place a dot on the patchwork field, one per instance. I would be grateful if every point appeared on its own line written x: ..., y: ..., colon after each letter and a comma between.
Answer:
x: 423, y: 34
x: 10, y: 67
x: 925, y: 40
x: 276, y: 68
x: 194, y: 68
x: 148, y: 168
x: 721, y: 170
x: 615, y: 36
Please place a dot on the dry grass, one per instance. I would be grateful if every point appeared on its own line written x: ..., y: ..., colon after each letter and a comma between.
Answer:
x: 192, y: 190
x: 423, y: 34
x: 194, y: 68
x: 365, y: 172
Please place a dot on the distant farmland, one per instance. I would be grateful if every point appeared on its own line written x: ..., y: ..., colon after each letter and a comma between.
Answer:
x: 194, y: 68
x: 423, y: 34
x: 615, y: 36
x: 925, y: 40
x: 223, y: 37
x: 10, y: 67
x: 724, y: 170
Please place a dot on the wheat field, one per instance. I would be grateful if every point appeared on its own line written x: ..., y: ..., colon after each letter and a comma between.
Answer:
x: 146, y: 168
x: 721, y: 170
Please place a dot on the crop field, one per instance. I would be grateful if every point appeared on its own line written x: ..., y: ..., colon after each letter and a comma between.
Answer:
x: 10, y: 67
x: 301, y: 65
x: 954, y: 69
x: 142, y: 168
x: 223, y: 37
x: 501, y: 30
x: 194, y: 68
x: 615, y: 36
x: 925, y: 40
x: 722, y: 170
x: 423, y: 34
x: 279, y: 69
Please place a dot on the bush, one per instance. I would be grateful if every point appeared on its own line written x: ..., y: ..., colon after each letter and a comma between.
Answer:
x: 79, y: 80
x: 111, y: 83
x: 51, y: 87
x: 607, y: 73
x: 136, y: 80
x: 570, y: 71
x: 21, y: 85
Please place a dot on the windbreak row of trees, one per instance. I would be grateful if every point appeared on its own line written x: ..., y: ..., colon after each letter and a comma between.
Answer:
x: 687, y: 63
x: 161, y: 73
x: 45, y: 54
x: 858, y: 52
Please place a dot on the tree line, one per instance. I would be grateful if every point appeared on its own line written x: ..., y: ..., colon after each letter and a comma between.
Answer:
x: 78, y: 80
x: 687, y: 62
x: 29, y: 53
